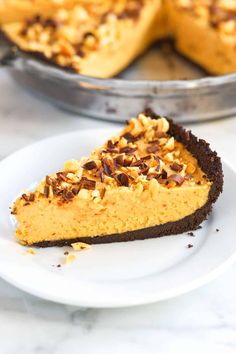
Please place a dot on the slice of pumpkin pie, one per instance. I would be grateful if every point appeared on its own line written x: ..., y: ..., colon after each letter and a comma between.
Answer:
x: 152, y: 179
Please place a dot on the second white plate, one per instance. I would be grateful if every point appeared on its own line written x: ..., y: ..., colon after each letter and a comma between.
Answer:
x: 109, y: 275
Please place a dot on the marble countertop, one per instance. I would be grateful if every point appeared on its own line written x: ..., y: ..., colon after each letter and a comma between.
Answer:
x: 201, y: 321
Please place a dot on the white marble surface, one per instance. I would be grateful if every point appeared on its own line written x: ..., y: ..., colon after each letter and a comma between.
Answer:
x: 203, y: 321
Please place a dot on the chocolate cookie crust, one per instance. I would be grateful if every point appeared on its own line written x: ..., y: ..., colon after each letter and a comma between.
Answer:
x: 210, y: 164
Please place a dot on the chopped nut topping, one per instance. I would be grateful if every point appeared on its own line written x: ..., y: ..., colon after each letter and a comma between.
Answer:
x: 123, y: 162
x: 72, y: 33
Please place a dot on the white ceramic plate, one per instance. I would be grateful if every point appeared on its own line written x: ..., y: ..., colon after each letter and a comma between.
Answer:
x: 110, y: 275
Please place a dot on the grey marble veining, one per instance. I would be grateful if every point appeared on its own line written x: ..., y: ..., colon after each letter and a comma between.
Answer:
x: 201, y: 321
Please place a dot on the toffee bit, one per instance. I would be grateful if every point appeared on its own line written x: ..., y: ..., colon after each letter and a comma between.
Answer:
x: 106, y: 167
x: 131, y: 138
x: 118, y: 161
x: 112, y: 151
x: 144, y: 169
x: 158, y: 160
x: 46, y: 191
x: 67, y: 195
x: 163, y: 174
x: 31, y: 197
x: 48, y: 180
x: 75, y: 190
x: 57, y: 191
x: 155, y: 141
x: 188, y: 176
x: 151, y: 176
x: 177, y: 179
x: 28, y: 198
x: 127, y: 162
x: 160, y: 135
x: 87, y: 183
x: 176, y: 167
x: 110, y: 144
x: 138, y: 163
x: 111, y: 147
x: 145, y: 158
x: 122, y: 179
x: 152, y: 149
x: 128, y: 150
x: 102, y: 193
x: 90, y: 165
x: 100, y: 174
x: 62, y: 176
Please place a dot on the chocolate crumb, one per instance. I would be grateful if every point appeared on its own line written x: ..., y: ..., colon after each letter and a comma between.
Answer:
x: 62, y: 176
x: 163, y: 174
x: 118, y: 161
x: 199, y: 227
x: 66, y: 253
x: 144, y: 169
x: 106, y: 166
x: 177, y: 179
x: 46, y: 191
x: 158, y: 160
x: 31, y: 197
x: 138, y: 163
x: 190, y: 234
x: 59, y: 266
x: 152, y: 149
x: 145, y: 158
x: 151, y: 176
x: 90, y: 165
x: 131, y: 138
x: 102, y: 193
x: 188, y: 176
x: 176, y: 167
x: 217, y: 230
x: 111, y: 147
x: 87, y: 183
x: 160, y: 135
x: 75, y: 190
x: 122, y: 179
x: 67, y: 195
x: 190, y: 245
x: 48, y: 180
x: 128, y: 150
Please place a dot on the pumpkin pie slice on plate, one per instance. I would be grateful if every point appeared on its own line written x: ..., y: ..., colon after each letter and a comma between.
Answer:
x: 151, y: 180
